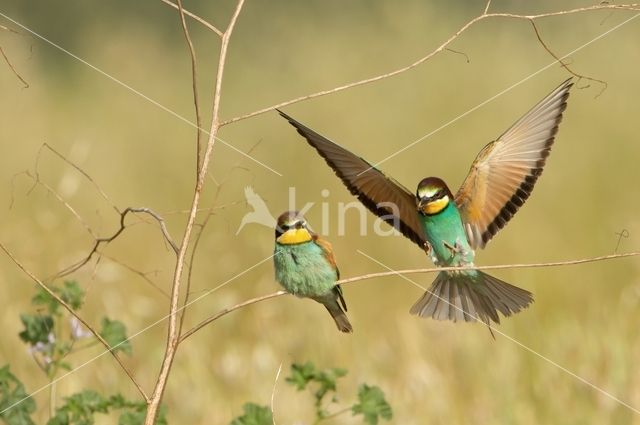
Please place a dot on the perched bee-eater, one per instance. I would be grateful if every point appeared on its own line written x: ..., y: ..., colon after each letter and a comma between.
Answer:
x: 450, y: 228
x: 306, y: 267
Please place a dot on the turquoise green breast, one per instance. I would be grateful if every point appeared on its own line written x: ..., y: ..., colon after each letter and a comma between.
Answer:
x: 303, y: 270
x: 446, y: 226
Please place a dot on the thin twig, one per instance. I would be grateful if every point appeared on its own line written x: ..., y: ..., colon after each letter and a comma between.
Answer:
x: 173, y: 334
x: 403, y: 272
x: 106, y: 240
x: 195, y: 17
x: 77, y: 316
x: 60, y: 199
x: 495, y: 267
x: 194, y: 81
x: 443, y: 46
x: 564, y: 64
x: 486, y: 8
x: 143, y: 275
x: 228, y: 310
x: 77, y: 168
x: 202, y: 226
x: 273, y: 394
x: 15, y: 72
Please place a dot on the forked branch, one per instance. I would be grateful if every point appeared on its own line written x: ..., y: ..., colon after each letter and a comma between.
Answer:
x: 443, y: 46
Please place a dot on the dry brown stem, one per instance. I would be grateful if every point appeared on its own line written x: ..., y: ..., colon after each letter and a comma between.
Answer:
x: 443, y: 46
x: 173, y: 335
x: 193, y: 16
x: 251, y: 301
x: 77, y: 316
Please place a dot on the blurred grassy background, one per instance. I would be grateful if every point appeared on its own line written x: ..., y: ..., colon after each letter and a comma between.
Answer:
x: 585, y: 317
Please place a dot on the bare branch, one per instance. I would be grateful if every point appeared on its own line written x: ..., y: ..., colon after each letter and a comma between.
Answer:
x: 194, y: 79
x: 495, y: 267
x: 403, y: 272
x: 228, y: 310
x: 443, y: 46
x: 195, y: 17
x: 104, y: 241
x: 15, y: 72
x: 564, y: 64
x: 173, y: 334
x: 77, y: 316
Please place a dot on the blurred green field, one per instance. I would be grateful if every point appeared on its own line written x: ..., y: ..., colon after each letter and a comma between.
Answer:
x: 585, y: 317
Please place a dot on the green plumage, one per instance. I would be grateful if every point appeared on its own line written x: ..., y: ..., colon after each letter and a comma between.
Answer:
x: 303, y: 270
x: 446, y: 227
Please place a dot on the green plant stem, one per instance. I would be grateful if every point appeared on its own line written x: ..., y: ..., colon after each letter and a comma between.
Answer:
x: 52, y: 398
x: 333, y: 415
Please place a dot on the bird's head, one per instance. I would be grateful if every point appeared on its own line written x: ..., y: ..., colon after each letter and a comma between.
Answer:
x: 292, y: 229
x: 432, y: 196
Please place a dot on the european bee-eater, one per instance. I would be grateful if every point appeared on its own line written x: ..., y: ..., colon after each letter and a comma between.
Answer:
x: 450, y: 228
x: 306, y: 267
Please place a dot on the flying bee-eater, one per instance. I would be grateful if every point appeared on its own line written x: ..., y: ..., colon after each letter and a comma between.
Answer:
x: 450, y: 228
x: 306, y: 267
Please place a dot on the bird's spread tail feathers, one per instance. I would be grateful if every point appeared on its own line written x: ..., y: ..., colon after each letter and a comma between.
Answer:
x: 471, y: 297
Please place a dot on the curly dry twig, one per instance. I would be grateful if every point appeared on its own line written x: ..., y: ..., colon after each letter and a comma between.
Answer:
x: 77, y: 316
x: 566, y: 65
x: 251, y: 301
x: 106, y: 240
x: 443, y: 46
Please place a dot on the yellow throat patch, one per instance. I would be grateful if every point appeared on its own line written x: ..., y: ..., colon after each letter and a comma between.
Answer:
x: 436, y: 206
x: 294, y: 236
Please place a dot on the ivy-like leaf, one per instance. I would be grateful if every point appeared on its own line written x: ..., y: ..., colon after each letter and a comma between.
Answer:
x: 254, y: 414
x: 372, y: 404
x: 72, y: 294
x: 14, y: 398
x: 115, y: 333
x: 36, y: 328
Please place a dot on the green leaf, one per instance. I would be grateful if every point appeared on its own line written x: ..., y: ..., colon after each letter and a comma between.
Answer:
x: 36, y: 328
x: 301, y: 375
x: 72, y: 294
x: 254, y: 414
x: 372, y: 404
x: 42, y: 297
x: 132, y: 418
x: 115, y: 333
x: 14, y: 398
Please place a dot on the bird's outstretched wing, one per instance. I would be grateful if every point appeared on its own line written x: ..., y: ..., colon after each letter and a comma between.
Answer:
x: 382, y: 195
x: 504, y: 172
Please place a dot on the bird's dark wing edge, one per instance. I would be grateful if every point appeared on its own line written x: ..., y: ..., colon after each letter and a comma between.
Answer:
x: 368, y: 184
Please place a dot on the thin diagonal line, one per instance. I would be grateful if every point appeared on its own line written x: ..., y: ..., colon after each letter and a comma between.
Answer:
x: 135, y: 335
x: 531, y: 350
x: 480, y: 105
x: 133, y: 90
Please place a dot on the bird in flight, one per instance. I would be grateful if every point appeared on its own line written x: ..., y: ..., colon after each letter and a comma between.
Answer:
x: 450, y: 228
